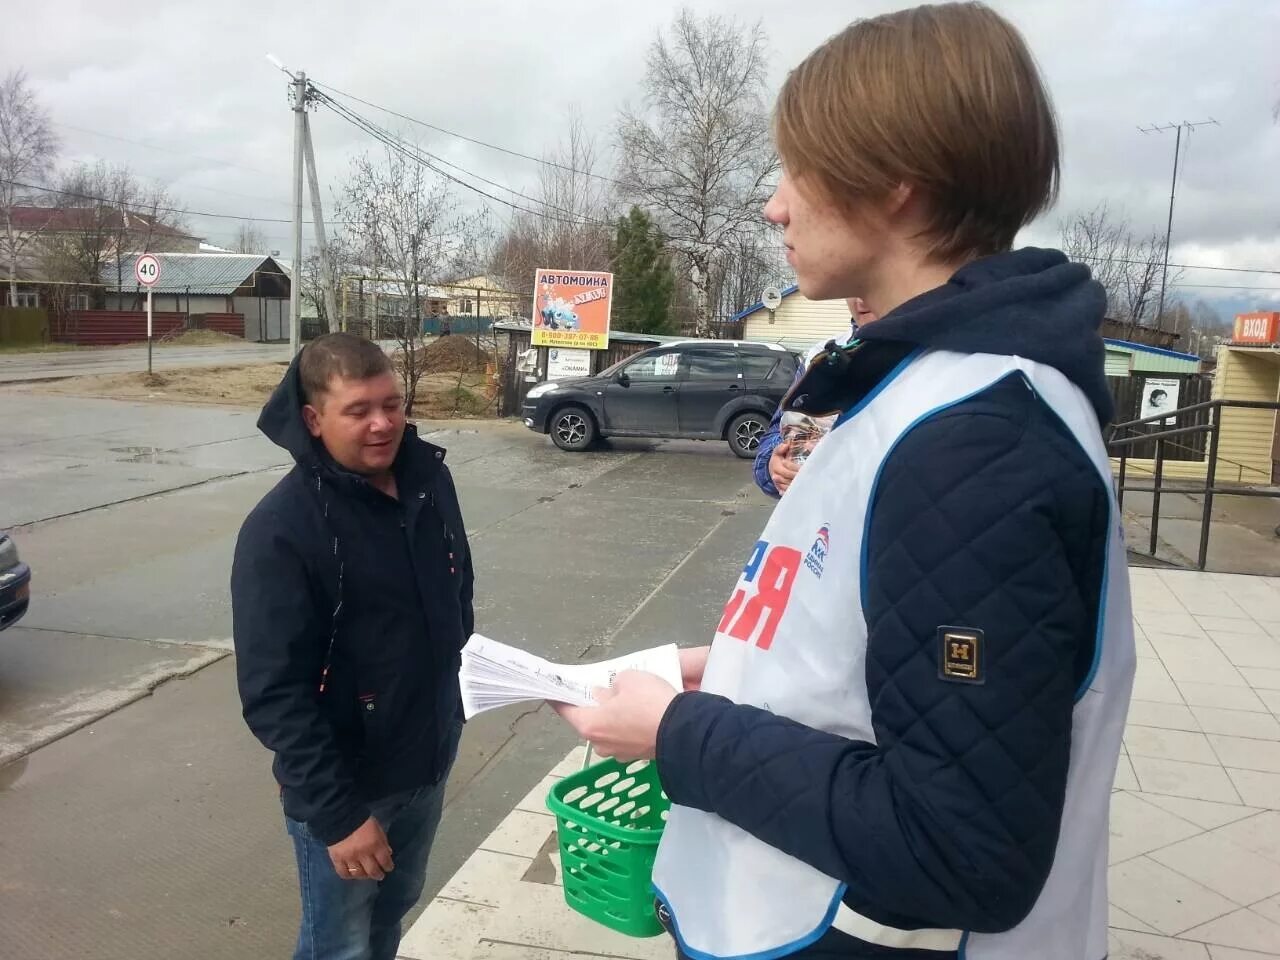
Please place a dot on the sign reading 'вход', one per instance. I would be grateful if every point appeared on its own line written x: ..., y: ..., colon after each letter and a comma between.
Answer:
x: 1261, y: 327
x: 571, y: 309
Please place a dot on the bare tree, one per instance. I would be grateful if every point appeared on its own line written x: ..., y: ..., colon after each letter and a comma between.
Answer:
x: 1209, y: 329
x: 406, y: 230
x: 570, y: 223
x: 750, y: 265
x: 104, y: 213
x: 1199, y: 326
x: 698, y: 155
x: 344, y: 263
x: 1128, y: 265
x: 28, y: 147
x: 249, y: 239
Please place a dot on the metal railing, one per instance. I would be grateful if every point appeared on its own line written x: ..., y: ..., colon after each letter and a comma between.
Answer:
x: 1119, y: 441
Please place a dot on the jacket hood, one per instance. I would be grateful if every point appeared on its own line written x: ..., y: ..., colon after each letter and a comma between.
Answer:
x: 281, y: 421
x: 281, y: 417
x: 1030, y: 303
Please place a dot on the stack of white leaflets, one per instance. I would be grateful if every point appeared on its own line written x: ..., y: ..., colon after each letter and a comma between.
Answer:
x: 494, y: 675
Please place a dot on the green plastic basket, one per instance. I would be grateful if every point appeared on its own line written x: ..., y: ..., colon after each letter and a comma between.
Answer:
x: 609, y: 819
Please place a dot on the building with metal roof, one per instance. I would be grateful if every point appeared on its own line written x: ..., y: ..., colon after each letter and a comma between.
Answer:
x: 1125, y: 358
x: 208, y: 274
x: 248, y: 284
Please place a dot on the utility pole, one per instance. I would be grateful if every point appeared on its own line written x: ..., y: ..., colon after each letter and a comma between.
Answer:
x: 1189, y: 126
x: 304, y: 157
x: 299, y: 136
x: 322, y: 243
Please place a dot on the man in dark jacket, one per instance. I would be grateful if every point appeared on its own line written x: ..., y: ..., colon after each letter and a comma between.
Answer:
x: 352, y: 597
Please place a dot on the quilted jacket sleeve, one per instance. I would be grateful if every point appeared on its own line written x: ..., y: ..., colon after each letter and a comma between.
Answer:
x: 988, y: 517
x: 768, y: 443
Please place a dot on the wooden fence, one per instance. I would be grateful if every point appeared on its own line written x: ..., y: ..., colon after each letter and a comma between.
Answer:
x: 23, y: 325
x: 1194, y: 388
x: 514, y: 384
x: 105, y: 328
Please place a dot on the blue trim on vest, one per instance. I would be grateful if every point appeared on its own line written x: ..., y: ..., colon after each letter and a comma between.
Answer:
x: 875, y: 484
x: 777, y: 952
x: 963, y: 949
x: 1100, y: 630
x: 1102, y: 612
x: 879, y: 387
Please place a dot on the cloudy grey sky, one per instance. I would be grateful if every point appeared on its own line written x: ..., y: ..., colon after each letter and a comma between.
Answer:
x: 190, y: 82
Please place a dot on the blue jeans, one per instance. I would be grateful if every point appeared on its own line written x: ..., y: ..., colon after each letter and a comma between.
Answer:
x: 360, y: 919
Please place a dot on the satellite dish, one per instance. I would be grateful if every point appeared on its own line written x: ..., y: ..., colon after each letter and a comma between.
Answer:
x: 771, y: 298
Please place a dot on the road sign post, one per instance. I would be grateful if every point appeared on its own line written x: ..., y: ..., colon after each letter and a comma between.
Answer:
x: 146, y: 269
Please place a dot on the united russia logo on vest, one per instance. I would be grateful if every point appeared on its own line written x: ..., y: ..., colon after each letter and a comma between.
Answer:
x: 818, y: 552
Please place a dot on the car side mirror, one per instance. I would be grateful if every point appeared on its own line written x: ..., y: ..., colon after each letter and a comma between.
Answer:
x: 623, y: 378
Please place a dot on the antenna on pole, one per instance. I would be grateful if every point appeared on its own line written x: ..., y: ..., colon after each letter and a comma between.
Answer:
x: 1189, y: 126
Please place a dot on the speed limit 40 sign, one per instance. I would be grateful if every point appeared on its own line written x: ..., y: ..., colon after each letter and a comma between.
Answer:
x: 147, y: 270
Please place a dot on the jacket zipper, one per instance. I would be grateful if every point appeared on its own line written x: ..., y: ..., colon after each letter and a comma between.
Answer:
x: 448, y: 538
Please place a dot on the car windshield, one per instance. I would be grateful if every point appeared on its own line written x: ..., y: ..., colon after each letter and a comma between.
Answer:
x: 615, y: 368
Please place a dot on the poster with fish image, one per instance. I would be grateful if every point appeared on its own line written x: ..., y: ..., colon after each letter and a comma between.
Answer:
x: 571, y: 309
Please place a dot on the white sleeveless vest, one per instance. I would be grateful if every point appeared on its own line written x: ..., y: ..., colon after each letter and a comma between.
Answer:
x: 793, y: 641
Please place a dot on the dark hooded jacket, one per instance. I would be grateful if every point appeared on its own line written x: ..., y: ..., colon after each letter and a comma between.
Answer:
x: 987, y: 514
x: 350, y: 609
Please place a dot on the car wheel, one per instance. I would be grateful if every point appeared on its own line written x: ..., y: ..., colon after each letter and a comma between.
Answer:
x: 745, y: 432
x: 573, y: 429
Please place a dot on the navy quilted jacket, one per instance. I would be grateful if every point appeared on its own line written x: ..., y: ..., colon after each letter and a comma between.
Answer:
x: 990, y: 515
x: 768, y: 443
x: 773, y: 436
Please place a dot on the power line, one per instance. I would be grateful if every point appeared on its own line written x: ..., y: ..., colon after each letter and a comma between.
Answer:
x: 460, y: 136
x: 148, y: 208
x: 1220, y: 286
x: 1181, y: 266
x: 429, y: 160
x: 162, y: 149
x: 581, y: 220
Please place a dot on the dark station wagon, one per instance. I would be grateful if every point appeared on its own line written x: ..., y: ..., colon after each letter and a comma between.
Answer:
x: 692, y: 390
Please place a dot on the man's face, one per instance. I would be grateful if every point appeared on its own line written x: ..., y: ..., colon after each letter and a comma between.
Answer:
x: 833, y: 254
x: 360, y: 422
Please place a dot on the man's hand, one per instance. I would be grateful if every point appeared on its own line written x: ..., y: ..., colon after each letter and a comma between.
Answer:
x: 624, y: 722
x: 781, y: 470
x: 693, y: 663
x: 365, y: 855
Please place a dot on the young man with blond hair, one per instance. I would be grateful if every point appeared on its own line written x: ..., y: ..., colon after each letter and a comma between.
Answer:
x: 903, y: 740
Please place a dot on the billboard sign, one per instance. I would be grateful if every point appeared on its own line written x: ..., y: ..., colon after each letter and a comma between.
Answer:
x: 571, y: 309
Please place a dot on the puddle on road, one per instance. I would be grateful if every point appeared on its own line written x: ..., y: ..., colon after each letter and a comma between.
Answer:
x: 155, y: 455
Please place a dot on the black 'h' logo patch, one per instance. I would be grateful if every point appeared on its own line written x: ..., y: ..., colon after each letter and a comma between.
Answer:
x: 960, y: 655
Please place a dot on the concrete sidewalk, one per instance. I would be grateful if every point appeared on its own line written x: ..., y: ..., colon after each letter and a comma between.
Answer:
x: 1195, y: 831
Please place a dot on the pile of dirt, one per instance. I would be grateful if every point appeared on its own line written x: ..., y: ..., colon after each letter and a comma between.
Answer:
x: 199, y: 338
x: 242, y: 386
x: 454, y: 355
x: 443, y: 397
x: 440, y: 395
